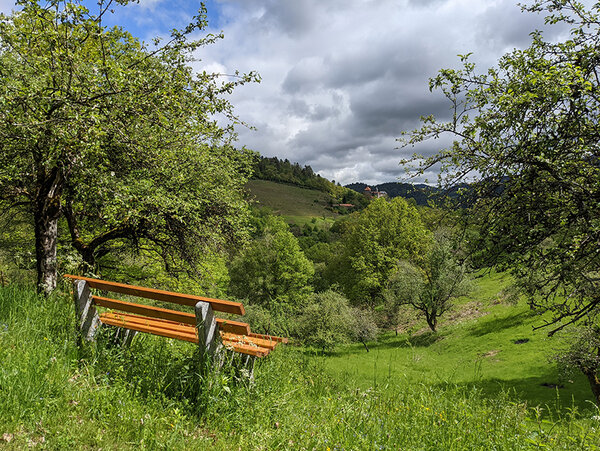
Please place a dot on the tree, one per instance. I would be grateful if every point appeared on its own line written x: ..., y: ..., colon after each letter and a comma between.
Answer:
x: 582, y: 352
x: 527, y: 133
x: 432, y: 286
x: 272, y: 271
x: 378, y: 237
x: 363, y: 327
x: 120, y: 139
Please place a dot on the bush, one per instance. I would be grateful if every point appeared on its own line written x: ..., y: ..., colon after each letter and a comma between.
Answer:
x: 326, y: 321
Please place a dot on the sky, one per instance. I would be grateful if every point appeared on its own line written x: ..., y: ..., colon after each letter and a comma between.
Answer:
x: 340, y: 80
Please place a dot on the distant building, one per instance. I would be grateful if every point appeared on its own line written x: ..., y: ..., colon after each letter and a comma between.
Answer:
x: 374, y: 193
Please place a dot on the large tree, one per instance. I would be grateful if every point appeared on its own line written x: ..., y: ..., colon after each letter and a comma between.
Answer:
x: 527, y: 133
x: 374, y: 241
x: 118, y: 137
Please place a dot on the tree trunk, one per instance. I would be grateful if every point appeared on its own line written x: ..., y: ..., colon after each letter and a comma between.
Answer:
x: 365, y: 345
x: 46, y: 234
x: 431, y: 320
x: 45, y: 218
x: 592, y: 376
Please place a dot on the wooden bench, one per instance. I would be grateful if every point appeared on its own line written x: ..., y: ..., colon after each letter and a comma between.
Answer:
x: 201, y: 327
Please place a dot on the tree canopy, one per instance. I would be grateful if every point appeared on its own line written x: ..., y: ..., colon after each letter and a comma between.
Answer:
x: 431, y: 286
x: 120, y: 138
x: 272, y: 271
x: 527, y: 132
x: 374, y: 242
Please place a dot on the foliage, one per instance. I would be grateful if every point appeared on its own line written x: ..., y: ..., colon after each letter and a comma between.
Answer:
x: 326, y: 321
x: 582, y: 352
x: 431, y: 286
x: 528, y: 131
x: 373, y: 241
x: 120, y: 139
x: 277, y: 322
x: 272, y: 270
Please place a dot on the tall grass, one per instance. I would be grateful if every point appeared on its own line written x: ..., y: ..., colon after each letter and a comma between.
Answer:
x: 56, y: 394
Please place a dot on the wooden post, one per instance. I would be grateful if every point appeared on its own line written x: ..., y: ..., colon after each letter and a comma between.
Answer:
x: 208, y: 332
x: 87, y: 316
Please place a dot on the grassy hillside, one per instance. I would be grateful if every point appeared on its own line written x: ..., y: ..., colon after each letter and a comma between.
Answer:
x: 297, y: 205
x: 484, y: 343
x: 453, y: 391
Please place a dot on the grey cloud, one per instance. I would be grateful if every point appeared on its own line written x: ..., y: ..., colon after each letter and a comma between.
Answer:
x: 293, y: 18
x: 505, y: 27
x: 300, y: 108
x: 307, y: 75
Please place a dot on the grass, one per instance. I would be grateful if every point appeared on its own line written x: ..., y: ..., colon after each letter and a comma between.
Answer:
x: 408, y: 393
x: 297, y: 205
x: 498, y: 351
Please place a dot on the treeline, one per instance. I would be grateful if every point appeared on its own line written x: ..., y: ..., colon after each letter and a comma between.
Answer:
x: 283, y: 171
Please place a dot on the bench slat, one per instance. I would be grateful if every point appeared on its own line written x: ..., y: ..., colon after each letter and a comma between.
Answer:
x: 244, y: 339
x: 149, y: 329
x: 268, y: 337
x: 219, y: 305
x: 170, y: 329
x: 154, y: 312
x: 127, y: 318
x: 246, y: 349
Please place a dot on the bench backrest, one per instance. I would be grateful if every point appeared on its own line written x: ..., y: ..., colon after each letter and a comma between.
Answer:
x: 219, y: 305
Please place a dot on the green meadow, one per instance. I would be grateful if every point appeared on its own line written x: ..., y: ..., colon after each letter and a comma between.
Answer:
x: 480, y: 383
x: 297, y: 205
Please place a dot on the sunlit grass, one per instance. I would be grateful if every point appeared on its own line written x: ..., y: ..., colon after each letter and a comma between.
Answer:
x: 297, y: 205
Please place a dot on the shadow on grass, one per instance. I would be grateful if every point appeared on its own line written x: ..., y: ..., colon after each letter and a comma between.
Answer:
x: 421, y: 340
x: 556, y: 397
x: 492, y: 325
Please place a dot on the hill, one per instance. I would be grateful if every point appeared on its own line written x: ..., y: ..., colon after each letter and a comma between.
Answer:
x: 298, y: 205
x: 283, y: 171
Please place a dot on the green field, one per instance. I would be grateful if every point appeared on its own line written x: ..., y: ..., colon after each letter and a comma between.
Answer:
x: 485, y: 344
x: 297, y: 205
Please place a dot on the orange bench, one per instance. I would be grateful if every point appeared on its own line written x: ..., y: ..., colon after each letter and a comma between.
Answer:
x: 201, y: 327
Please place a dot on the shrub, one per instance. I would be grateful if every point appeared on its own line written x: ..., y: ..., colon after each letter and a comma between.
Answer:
x: 326, y: 321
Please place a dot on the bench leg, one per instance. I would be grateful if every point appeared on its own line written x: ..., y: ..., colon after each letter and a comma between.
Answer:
x: 122, y: 337
x: 249, y: 366
x: 87, y: 316
x: 208, y: 331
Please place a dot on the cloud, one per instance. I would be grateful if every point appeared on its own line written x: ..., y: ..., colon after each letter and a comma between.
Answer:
x: 341, y: 81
